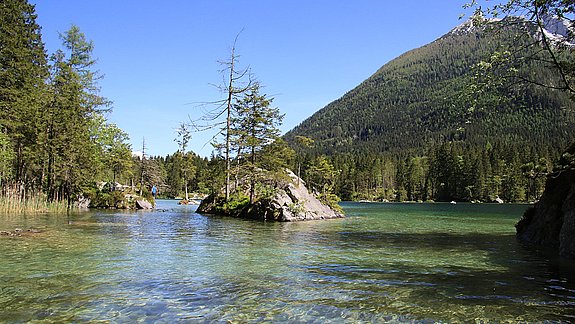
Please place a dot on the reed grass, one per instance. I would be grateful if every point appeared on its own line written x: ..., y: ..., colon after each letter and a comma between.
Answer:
x: 10, y: 202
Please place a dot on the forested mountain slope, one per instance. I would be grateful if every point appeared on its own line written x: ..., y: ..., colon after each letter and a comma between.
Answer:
x: 418, y: 100
x: 434, y: 124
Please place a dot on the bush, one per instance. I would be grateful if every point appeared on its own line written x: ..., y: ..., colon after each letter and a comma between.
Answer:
x: 331, y: 200
x: 235, y: 204
x: 147, y: 195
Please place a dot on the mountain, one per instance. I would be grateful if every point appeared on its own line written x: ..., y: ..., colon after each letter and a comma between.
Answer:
x: 448, y: 121
x: 421, y: 99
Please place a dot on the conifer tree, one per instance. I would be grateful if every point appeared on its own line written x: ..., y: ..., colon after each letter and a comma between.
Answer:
x: 184, y: 158
x: 254, y: 127
x: 75, y: 103
x: 236, y: 82
x: 23, y: 70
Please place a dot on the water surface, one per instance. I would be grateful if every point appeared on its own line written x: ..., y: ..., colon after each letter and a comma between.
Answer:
x: 384, y: 262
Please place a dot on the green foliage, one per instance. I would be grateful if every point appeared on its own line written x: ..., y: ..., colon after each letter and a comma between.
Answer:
x: 297, y: 208
x: 236, y: 203
x: 266, y: 190
x: 70, y: 152
x: 254, y: 127
x: 6, y: 157
x: 54, y: 138
x: 321, y: 175
x: 113, y: 153
x: 23, y: 70
x: 331, y: 200
x: 107, y: 199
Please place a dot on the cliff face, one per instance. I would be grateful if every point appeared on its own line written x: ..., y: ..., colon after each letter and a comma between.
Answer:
x: 550, y: 223
x: 292, y: 202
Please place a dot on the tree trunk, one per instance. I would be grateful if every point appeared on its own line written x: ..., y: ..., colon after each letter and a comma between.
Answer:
x: 229, y: 124
x: 186, y: 184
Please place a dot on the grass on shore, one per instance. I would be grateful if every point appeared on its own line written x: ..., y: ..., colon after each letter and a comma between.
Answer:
x: 34, y: 204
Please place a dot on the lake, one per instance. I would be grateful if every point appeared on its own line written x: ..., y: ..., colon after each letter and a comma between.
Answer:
x: 383, y: 263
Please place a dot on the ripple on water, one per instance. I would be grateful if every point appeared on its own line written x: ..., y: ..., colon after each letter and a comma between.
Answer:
x: 398, y: 263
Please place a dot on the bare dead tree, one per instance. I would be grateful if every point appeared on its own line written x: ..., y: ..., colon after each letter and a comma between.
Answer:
x: 235, y: 82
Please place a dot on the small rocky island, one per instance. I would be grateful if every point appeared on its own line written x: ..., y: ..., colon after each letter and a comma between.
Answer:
x: 290, y: 201
x: 550, y: 223
x: 110, y: 195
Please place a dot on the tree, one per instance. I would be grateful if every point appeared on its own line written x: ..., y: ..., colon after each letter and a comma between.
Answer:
x: 305, y: 142
x: 544, y: 15
x: 234, y: 84
x: 80, y: 60
x: 535, y: 172
x: 143, y: 172
x: 6, y: 157
x: 114, y: 154
x: 321, y: 176
x: 23, y: 69
x: 254, y: 126
x: 184, y: 159
x: 71, y: 152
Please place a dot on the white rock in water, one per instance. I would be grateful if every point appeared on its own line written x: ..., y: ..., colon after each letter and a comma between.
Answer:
x: 144, y: 204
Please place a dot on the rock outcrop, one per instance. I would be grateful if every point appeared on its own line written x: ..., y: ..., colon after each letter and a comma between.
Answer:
x: 292, y: 202
x: 550, y: 223
x: 144, y: 204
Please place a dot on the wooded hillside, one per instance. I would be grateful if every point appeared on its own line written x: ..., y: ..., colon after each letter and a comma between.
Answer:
x: 428, y: 125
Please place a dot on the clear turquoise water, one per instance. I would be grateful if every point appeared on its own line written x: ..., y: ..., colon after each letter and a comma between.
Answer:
x: 383, y: 263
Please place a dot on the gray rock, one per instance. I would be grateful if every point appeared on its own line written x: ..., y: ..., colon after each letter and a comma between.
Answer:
x: 550, y: 223
x: 83, y: 202
x: 20, y: 232
x: 144, y: 204
x: 567, y: 234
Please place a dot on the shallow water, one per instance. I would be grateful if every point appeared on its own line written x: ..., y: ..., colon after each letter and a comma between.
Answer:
x: 384, y: 262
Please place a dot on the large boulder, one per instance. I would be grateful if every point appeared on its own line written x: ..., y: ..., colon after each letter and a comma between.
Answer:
x: 550, y: 223
x: 291, y: 202
x: 144, y: 204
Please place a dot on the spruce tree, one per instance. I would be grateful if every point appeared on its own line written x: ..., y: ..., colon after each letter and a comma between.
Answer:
x: 254, y: 127
x: 72, y: 155
x: 23, y: 70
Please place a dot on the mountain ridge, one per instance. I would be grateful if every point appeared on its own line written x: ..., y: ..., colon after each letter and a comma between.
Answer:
x: 427, y: 82
x: 432, y: 124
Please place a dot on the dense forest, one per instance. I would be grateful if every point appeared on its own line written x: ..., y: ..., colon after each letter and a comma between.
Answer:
x: 428, y: 126
x: 54, y: 137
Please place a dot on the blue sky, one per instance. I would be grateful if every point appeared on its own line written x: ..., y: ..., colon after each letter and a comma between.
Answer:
x: 160, y: 58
